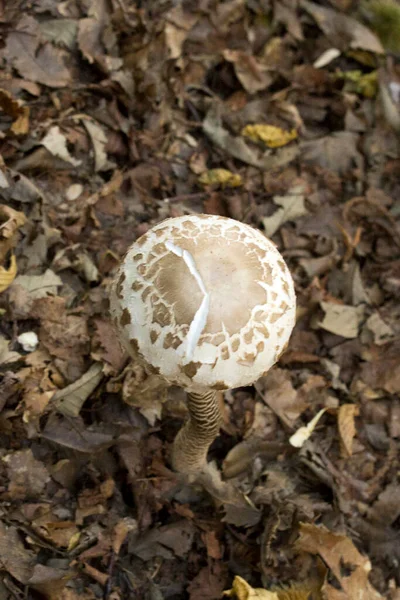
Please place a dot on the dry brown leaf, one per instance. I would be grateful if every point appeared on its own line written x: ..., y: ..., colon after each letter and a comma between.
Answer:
x: 49, y: 526
x: 11, y: 220
x: 210, y: 582
x: 60, y: 31
x: 349, y: 567
x: 347, y: 428
x: 72, y: 434
x: 386, y: 509
x: 341, y: 320
x: 253, y: 75
x: 70, y: 399
x: 6, y: 355
x: 99, y: 142
x: 28, y: 476
x: 337, y: 152
x: 212, y: 544
x: 145, y: 391
x: 38, y: 286
x: 278, y: 392
x: 178, y: 25
x: 109, y: 350
x: 121, y: 530
x: 382, y: 331
x: 292, y: 208
x: 17, y: 111
x: 56, y: 143
x: 42, y: 63
x: 21, y: 564
x: 343, y: 31
x: 384, y: 371
x: 167, y: 541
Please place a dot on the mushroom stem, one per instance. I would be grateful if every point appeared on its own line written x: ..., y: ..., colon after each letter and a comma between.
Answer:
x: 189, y: 451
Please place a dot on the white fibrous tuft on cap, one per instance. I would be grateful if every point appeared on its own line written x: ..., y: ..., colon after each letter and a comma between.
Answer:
x: 205, y: 301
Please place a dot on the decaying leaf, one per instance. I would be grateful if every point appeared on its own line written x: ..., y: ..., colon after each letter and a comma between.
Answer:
x: 6, y: 355
x: 341, y: 320
x: 71, y: 433
x: 349, y: 567
x: 210, y: 582
x: 7, y: 276
x: 168, y: 541
x: 21, y: 564
x: 56, y: 144
x: 343, y: 31
x: 347, y: 428
x: 144, y: 391
x: 99, y: 141
x: 337, y: 152
x: 28, y: 288
x: 382, y: 332
x: 253, y: 75
x: 70, y: 399
x: 28, y: 476
x: 292, y: 208
x: 17, y: 111
x: 278, y: 392
x: 60, y: 31
x: 11, y: 221
x: 221, y: 177
x: 179, y: 23
x: 41, y: 63
x: 271, y: 136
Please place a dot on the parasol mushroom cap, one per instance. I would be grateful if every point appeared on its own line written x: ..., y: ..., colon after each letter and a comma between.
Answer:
x: 205, y: 301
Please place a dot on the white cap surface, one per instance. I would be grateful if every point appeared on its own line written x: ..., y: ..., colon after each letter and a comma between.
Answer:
x: 206, y: 301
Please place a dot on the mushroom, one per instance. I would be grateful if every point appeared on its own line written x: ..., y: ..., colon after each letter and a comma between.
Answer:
x: 208, y: 303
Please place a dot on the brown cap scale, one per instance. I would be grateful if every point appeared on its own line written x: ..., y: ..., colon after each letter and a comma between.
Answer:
x: 209, y: 304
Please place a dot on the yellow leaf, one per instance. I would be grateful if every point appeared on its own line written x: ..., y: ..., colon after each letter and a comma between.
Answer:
x: 272, y: 136
x: 360, y: 83
x: 73, y: 542
x: 221, y: 177
x: 347, y: 428
x: 8, y: 276
x: 243, y: 591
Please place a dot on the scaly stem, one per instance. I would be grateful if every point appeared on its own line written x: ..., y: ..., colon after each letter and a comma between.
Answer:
x: 189, y: 452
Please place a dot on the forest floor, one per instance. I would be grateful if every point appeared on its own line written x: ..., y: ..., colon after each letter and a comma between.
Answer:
x: 115, y: 115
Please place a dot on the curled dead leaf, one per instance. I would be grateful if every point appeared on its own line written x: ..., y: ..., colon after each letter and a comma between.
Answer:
x: 338, y: 551
x: 347, y: 428
x: 11, y: 220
